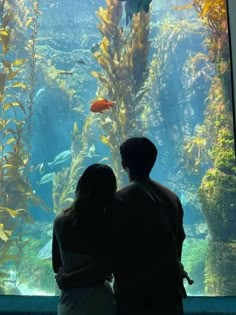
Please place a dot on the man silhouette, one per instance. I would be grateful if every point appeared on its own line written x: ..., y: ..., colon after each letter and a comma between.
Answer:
x: 146, y: 235
x: 144, y: 241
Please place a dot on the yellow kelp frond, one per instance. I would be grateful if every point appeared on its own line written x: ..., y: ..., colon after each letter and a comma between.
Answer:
x: 19, y: 85
x: 196, y: 153
x: 3, y: 234
x: 102, y: 14
x: 3, y: 32
x: 13, y: 213
x: 104, y: 46
x: 106, y: 140
x: 184, y: 6
x: 212, y: 12
x: 4, y: 123
x: 6, y: 106
x: 18, y: 62
x: 109, y: 17
x: 5, y: 39
x: 114, y: 11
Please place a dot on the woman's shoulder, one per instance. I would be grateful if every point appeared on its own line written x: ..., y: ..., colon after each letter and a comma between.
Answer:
x: 62, y: 216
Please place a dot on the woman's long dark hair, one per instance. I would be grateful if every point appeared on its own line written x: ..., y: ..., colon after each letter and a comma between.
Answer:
x: 94, y: 190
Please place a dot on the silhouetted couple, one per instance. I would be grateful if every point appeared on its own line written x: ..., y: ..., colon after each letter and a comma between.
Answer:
x: 136, y: 234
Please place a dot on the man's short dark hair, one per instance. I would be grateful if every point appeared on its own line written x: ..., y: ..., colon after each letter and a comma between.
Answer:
x: 139, y: 155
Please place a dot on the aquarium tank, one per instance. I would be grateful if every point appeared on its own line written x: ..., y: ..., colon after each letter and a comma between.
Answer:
x: 77, y: 78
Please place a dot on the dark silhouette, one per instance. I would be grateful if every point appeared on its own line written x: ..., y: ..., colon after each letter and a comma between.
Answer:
x: 78, y: 240
x: 144, y: 223
x: 146, y: 234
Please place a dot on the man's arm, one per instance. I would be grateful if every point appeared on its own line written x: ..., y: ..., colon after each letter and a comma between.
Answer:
x: 180, y: 233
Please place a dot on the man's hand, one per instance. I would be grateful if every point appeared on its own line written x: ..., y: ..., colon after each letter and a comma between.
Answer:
x: 61, y: 278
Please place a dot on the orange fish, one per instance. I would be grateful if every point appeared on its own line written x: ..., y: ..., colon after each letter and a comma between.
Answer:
x: 100, y: 106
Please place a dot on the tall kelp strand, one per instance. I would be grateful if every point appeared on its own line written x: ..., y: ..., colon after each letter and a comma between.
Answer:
x: 65, y: 181
x: 123, y: 57
x: 218, y: 185
x: 15, y: 189
x: 31, y: 22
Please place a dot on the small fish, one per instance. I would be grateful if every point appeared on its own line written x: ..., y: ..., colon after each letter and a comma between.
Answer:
x: 65, y: 72
x: 61, y: 158
x: 46, y: 251
x: 135, y: 6
x: 101, y: 105
x: 92, y: 151
x: 105, y: 159
x: 81, y: 62
x: 47, y: 178
x: 41, y: 168
x: 94, y: 48
x: 39, y: 92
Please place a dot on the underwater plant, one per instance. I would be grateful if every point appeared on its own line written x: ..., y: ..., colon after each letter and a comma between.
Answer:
x: 213, y: 15
x: 15, y: 189
x: 65, y: 181
x: 194, y: 255
x: 217, y: 195
x: 13, y: 157
x: 218, y: 185
x: 171, y: 116
x: 123, y: 57
x: 32, y: 24
x: 196, y: 152
x: 166, y: 41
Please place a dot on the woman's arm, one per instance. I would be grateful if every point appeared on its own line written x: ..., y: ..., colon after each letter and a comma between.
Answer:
x: 97, y: 271
x: 56, y: 257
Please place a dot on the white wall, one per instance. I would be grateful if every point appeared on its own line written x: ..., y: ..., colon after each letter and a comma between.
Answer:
x: 232, y: 21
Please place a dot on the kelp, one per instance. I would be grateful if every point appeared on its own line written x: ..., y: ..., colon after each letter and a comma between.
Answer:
x: 123, y: 57
x: 15, y: 132
x: 214, y: 17
x: 65, y: 181
x: 196, y: 153
x: 218, y: 185
x: 32, y: 24
x: 11, y: 158
x: 16, y: 192
x: 170, y: 34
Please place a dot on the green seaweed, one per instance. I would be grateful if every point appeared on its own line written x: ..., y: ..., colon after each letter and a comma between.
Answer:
x: 123, y: 58
x: 15, y: 133
x: 65, y: 180
x: 218, y: 185
x: 194, y: 254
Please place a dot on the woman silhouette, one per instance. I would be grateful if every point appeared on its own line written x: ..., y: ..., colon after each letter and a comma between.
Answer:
x: 79, y: 239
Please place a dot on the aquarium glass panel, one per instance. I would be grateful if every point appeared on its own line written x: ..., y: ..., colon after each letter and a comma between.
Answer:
x: 77, y: 78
